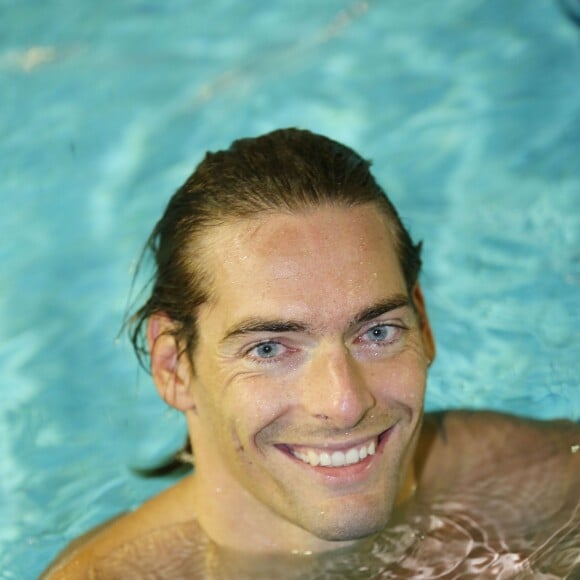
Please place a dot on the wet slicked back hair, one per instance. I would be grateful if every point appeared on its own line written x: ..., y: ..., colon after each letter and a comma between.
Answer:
x: 288, y: 170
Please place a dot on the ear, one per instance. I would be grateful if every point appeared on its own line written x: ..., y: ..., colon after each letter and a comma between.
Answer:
x: 426, y: 332
x: 170, y: 368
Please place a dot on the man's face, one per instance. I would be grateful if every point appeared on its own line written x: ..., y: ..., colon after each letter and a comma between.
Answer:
x: 309, y: 372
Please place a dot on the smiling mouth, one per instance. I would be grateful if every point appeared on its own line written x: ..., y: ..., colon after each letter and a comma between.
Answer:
x: 337, y: 458
x: 330, y: 458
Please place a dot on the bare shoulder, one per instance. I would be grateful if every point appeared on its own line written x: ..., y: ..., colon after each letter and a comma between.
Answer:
x: 162, y: 512
x: 484, y: 428
x: 482, y: 448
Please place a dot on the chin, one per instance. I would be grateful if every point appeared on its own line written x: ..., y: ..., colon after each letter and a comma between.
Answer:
x: 355, y: 527
x: 351, y: 534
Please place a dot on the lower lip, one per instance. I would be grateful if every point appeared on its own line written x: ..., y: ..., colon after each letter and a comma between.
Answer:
x: 347, y: 472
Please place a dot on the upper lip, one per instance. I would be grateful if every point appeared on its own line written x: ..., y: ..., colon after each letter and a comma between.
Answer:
x: 341, y: 445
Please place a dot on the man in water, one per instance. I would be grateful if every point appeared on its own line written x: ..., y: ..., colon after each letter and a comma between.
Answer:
x: 286, y: 321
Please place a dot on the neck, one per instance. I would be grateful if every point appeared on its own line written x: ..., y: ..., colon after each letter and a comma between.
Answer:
x: 251, y: 527
x: 241, y: 529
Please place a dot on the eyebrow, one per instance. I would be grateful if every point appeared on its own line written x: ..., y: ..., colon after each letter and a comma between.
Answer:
x: 256, y: 324
x: 382, y: 307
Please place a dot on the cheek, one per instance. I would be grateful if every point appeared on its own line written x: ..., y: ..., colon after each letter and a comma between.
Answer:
x: 272, y: 402
x: 401, y: 380
x: 253, y: 404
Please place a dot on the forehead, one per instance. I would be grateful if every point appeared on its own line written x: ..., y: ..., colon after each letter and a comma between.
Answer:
x: 322, y: 262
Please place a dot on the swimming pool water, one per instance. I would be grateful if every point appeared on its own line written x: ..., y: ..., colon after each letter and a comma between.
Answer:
x: 469, y: 110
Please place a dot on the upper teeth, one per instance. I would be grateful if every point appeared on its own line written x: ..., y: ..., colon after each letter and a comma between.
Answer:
x: 336, y: 458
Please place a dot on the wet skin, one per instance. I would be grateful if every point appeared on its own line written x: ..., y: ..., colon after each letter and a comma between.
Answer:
x: 311, y: 345
x: 495, y: 493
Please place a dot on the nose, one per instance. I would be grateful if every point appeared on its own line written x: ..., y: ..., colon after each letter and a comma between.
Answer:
x: 335, y: 389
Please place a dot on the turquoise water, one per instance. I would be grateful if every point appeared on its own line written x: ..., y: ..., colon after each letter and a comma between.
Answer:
x: 470, y: 111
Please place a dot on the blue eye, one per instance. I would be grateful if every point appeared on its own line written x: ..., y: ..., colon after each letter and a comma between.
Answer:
x: 266, y: 350
x: 380, y: 333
